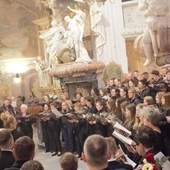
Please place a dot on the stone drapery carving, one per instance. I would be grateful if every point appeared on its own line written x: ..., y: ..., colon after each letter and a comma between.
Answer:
x: 40, y: 66
x: 52, y: 38
x: 97, y: 25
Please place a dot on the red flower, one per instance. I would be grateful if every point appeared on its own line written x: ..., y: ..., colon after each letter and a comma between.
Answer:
x: 155, y: 167
x: 149, y: 157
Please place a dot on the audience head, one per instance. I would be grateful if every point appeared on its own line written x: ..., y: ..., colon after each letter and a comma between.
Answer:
x: 68, y: 161
x: 24, y: 148
x: 112, y: 146
x: 7, y: 112
x: 9, y: 121
x: 96, y: 152
x: 6, y: 139
x: 32, y: 165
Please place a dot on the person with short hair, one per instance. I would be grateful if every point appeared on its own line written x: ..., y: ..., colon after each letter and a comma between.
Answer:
x: 112, y: 162
x: 25, y: 121
x: 7, y: 106
x: 96, y: 152
x: 133, y: 97
x: 68, y: 161
x: 24, y: 150
x: 32, y: 165
x: 6, y: 144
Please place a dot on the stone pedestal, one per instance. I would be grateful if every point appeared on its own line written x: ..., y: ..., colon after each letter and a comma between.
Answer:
x: 77, y: 77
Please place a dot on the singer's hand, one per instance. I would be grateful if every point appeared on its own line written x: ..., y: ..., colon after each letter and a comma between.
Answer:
x: 168, y: 119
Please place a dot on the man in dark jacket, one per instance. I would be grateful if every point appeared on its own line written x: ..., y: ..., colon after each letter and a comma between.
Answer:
x: 112, y: 162
x: 6, y: 144
x: 24, y: 149
x: 7, y: 106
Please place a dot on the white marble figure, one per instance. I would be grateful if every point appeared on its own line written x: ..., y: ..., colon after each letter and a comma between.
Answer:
x: 97, y: 24
x: 75, y: 35
x: 44, y: 78
x: 156, y: 14
x: 53, y: 38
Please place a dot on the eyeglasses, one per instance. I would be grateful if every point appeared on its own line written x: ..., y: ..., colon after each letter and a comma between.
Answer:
x: 134, y: 146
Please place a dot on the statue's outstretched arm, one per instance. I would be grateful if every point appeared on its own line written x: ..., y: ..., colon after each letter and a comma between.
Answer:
x: 73, y: 10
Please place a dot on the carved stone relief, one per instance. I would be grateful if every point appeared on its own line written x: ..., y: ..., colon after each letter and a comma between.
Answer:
x: 134, y: 22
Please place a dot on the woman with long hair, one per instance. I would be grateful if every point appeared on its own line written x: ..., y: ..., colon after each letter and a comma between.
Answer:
x: 130, y: 116
x: 44, y: 126
x: 67, y: 127
x: 158, y: 99
x: 138, y: 121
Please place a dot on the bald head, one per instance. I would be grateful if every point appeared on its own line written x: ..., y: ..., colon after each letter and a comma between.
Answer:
x: 96, y: 151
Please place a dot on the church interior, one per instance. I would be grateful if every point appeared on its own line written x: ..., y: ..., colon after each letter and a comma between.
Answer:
x: 109, y: 36
x: 70, y: 69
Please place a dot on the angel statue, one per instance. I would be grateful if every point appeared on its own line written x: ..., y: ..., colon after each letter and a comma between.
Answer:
x: 75, y: 35
x: 53, y: 38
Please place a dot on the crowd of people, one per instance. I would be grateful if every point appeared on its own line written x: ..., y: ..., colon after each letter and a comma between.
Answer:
x: 140, y: 103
